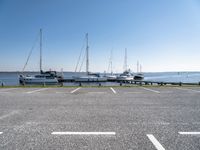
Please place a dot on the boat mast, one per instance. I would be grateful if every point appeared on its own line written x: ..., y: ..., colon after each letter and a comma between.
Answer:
x: 40, y: 50
x: 125, y: 60
x: 111, y: 63
x: 87, y: 55
x: 138, y: 66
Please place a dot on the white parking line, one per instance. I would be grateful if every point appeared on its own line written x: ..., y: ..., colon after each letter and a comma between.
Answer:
x: 1, y: 132
x: 185, y: 89
x: 189, y: 133
x: 150, y: 90
x: 113, y: 90
x: 83, y: 133
x: 38, y: 90
x: 75, y: 90
x: 155, y: 142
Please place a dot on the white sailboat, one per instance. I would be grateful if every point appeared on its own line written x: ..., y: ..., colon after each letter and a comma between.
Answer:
x: 89, y: 77
x: 111, y: 76
x: 49, y: 77
x: 139, y: 75
x: 126, y: 75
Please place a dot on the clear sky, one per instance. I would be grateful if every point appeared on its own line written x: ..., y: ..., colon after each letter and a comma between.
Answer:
x: 163, y: 35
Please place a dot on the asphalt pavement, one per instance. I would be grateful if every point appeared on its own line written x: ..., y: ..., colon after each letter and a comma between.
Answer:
x: 105, y: 118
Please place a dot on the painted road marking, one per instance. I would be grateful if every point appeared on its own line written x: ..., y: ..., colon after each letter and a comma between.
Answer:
x: 1, y: 132
x: 150, y: 90
x: 38, y: 90
x: 189, y: 133
x: 185, y: 89
x: 113, y: 90
x: 155, y: 142
x: 83, y: 133
x: 75, y: 90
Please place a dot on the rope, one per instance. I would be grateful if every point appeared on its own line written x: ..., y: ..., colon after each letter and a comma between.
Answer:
x: 29, y: 55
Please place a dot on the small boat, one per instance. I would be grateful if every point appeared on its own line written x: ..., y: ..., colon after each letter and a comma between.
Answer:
x: 111, y: 76
x: 139, y: 76
x: 48, y: 77
x: 125, y: 76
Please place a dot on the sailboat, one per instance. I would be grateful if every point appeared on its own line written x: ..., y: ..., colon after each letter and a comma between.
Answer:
x: 49, y: 77
x: 111, y: 76
x: 139, y: 75
x: 127, y: 74
x: 89, y: 77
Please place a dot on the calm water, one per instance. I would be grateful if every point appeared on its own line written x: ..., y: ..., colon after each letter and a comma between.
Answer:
x: 11, y: 78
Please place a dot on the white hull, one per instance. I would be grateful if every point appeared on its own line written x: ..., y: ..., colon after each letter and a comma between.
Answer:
x: 90, y: 79
x: 124, y: 78
x: 34, y: 80
x: 111, y: 77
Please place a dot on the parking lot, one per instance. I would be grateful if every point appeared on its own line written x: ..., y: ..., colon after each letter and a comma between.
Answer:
x: 122, y: 118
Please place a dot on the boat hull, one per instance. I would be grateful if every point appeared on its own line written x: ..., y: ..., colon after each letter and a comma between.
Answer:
x: 31, y: 80
x: 90, y: 79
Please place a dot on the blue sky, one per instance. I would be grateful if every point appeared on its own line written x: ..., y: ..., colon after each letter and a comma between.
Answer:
x: 161, y: 35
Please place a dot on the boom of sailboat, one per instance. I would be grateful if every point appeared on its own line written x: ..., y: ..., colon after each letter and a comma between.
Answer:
x: 51, y: 77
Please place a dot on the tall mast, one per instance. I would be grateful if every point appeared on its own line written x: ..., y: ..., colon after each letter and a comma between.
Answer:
x: 125, y: 60
x: 138, y: 66
x: 40, y: 50
x: 87, y: 55
x: 111, y: 62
